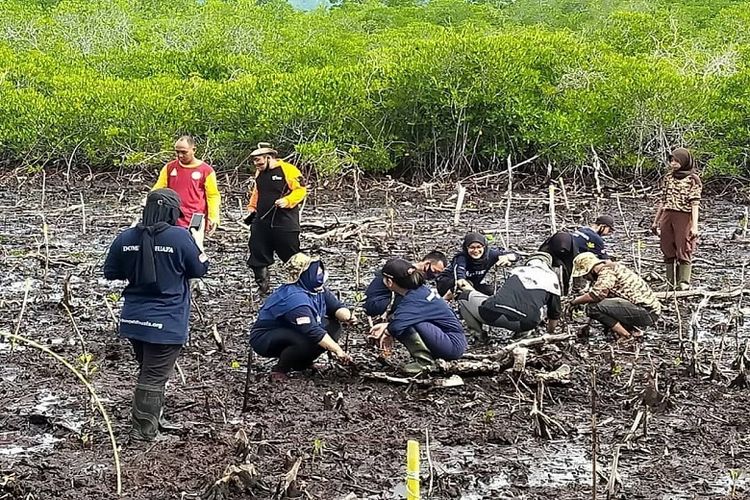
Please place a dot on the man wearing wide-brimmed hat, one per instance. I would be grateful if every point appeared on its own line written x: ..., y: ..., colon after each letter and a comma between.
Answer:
x: 618, y: 298
x: 274, y: 212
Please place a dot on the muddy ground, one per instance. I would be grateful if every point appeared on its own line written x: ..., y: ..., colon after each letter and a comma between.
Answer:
x: 481, y: 438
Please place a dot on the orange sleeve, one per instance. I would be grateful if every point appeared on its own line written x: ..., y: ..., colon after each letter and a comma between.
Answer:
x: 253, y: 204
x: 293, y: 176
x: 161, y: 182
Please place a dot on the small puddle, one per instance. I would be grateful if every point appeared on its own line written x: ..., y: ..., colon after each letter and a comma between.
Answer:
x: 563, y: 464
x: 40, y: 443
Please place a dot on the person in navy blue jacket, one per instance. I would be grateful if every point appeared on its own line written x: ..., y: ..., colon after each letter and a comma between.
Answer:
x: 564, y: 246
x: 300, y: 320
x: 157, y: 259
x: 423, y: 321
x: 471, y: 265
x: 378, y: 297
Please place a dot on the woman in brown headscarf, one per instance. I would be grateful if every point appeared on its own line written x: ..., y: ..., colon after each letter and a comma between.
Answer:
x: 676, y: 220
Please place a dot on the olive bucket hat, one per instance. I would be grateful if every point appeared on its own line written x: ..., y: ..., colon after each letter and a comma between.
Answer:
x: 584, y: 263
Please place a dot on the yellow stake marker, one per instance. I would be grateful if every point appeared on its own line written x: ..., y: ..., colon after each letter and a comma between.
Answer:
x: 412, y: 470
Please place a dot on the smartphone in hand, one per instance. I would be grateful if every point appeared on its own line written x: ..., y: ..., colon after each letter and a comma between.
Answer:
x: 196, y: 221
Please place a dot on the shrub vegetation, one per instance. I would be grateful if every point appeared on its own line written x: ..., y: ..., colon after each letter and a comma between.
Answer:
x: 417, y: 86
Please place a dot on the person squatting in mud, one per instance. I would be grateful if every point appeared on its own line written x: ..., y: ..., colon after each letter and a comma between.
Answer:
x: 563, y: 246
x: 530, y: 295
x: 618, y: 298
x: 379, y: 299
x: 274, y: 212
x: 158, y: 259
x: 676, y: 220
x: 423, y: 322
x: 300, y: 320
x: 471, y: 265
x: 194, y: 181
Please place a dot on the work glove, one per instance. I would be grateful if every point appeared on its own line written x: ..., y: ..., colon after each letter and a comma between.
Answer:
x: 248, y: 220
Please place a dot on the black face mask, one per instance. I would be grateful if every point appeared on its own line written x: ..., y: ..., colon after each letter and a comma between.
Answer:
x: 429, y: 274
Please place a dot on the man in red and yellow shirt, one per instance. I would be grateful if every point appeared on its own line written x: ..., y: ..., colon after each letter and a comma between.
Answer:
x: 195, y: 181
x: 274, y: 212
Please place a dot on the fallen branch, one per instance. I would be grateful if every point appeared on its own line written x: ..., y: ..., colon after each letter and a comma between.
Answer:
x: 721, y: 294
x: 614, y: 474
x: 452, y: 381
x: 89, y: 387
x: 506, y: 351
x: 345, y: 231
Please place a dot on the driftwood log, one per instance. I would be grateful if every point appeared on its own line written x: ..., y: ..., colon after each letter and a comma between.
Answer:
x: 721, y: 294
x: 514, y: 356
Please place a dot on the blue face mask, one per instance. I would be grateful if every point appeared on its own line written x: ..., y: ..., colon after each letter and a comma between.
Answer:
x: 314, y: 277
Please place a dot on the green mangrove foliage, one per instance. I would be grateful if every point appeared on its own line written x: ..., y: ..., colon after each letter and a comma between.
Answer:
x: 402, y: 84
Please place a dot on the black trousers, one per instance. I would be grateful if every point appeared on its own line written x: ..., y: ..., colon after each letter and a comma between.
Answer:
x: 609, y: 312
x: 155, y: 361
x: 294, y: 350
x: 265, y: 240
x: 471, y: 303
x: 563, y: 250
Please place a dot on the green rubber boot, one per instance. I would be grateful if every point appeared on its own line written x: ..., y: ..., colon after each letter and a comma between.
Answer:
x: 684, y: 273
x: 422, y: 356
x: 670, y: 274
x: 146, y: 413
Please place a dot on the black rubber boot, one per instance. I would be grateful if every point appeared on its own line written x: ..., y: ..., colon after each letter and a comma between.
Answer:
x: 262, y: 279
x: 147, y: 407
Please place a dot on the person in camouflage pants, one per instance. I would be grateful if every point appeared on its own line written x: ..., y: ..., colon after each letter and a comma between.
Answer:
x: 618, y: 297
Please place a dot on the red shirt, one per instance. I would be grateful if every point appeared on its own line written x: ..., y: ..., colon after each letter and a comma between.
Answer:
x: 190, y: 184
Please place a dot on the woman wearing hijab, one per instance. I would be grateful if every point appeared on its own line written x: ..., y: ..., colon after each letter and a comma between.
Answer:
x: 471, y: 265
x: 676, y: 220
x: 158, y: 259
x: 423, y: 321
x: 300, y: 320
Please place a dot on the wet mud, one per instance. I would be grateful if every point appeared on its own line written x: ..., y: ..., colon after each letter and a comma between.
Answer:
x: 53, y: 444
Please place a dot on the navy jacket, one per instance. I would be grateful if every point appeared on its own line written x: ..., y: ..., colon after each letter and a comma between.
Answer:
x: 291, y: 306
x: 423, y: 305
x: 473, y: 270
x: 157, y: 314
x: 587, y: 240
x: 378, y: 297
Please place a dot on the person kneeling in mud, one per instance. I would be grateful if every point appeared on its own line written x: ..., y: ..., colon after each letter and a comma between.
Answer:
x: 563, y: 246
x: 300, y: 320
x: 422, y: 321
x: 379, y: 299
x: 618, y: 298
x: 471, y: 265
x: 158, y: 259
x: 530, y: 293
